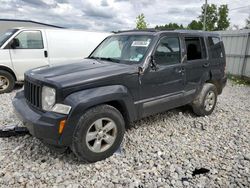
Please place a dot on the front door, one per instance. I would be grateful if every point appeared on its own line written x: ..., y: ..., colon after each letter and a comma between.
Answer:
x: 31, y: 52
x: 162, y: 87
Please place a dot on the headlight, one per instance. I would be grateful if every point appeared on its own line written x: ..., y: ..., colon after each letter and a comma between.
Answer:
x: 48, y: 98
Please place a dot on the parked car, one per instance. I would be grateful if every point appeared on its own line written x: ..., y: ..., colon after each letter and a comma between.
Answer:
x: 22, y: 49
x: 87, y: 105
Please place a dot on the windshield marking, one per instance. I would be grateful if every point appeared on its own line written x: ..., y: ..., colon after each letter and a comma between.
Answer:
x: 140, y: 43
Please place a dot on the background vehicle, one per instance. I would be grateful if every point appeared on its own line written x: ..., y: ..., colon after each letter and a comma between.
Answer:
x: 130, y: 75
x: 22, y: 49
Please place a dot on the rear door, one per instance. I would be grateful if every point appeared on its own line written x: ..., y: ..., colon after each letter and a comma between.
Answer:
x: 196, y: 64
x: 31, y: 52
x: 216, y: 56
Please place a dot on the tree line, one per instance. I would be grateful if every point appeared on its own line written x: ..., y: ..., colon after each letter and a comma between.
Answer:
x: 217, y: 19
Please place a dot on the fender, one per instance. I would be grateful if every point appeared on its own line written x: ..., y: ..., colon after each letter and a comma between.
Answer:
x: 216, y: 74
x: 204, y: 78
x: 83, y: 100
x: 217, y: 79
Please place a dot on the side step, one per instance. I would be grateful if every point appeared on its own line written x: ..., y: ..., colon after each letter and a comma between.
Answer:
x: 13, y: 130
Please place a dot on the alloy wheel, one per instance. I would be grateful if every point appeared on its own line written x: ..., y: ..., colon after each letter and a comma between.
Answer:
x: 101, y: 135
x: 209, y: 101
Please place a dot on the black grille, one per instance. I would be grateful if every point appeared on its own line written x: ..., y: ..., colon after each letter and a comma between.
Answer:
x: 32, y: 93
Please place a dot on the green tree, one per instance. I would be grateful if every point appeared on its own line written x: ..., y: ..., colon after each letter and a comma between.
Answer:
x: 211, y: 18
x: 170, y: 26
x: 248, y: 22
x: 223, y: 20
x: 217, y: 18
x: 195, y: 25
x: 140, y: 22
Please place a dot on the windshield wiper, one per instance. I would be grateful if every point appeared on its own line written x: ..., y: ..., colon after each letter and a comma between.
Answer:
x: 105, y: 59
x: 110, y: 59
x: 95, y: 58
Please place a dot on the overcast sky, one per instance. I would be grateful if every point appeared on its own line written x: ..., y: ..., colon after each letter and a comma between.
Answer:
x: 110, y: 15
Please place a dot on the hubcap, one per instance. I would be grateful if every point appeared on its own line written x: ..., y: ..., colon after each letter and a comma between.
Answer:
x: 209, y: 101
x: 101, y: 135
x: 4, y: 83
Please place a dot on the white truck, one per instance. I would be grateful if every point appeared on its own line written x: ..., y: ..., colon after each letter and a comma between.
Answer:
x: 22, y: 49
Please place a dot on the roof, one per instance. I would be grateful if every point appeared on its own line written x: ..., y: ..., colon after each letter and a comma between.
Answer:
x: 159, y: 31
x: 30, y: 21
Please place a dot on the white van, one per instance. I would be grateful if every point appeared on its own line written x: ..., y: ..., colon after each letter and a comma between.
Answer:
x: 22, y: 49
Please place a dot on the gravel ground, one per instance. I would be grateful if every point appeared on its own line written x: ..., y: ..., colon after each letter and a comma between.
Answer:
x: 159, y: 151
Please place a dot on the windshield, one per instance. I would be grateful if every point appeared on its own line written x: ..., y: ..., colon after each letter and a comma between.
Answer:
x: 5, y: 36
x: 123, y: 48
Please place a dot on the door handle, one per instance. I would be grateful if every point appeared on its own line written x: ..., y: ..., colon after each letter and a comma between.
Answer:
x: 45, y: 53
x: 180, y: 70
x: 206, y: 65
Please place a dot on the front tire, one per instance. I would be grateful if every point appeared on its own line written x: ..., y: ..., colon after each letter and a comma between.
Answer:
x: 205, y: 102
x: 7, y: 82
x: 98, y: 134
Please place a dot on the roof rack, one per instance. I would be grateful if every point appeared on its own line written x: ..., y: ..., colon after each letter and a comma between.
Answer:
x: 189, y: 30
x: 144, y: 30
x: 136, y: 30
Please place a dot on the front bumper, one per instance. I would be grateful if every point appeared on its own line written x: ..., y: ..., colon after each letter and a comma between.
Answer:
x: 43, y: 125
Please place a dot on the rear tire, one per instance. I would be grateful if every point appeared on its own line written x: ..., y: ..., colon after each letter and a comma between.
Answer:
x: 7, y: 82
x: 98, y: 134
x: 205, y: 102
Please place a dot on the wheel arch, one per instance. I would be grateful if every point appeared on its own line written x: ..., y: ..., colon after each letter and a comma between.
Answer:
x: 212, y: 79
x: 117, y: 96
x: 8, y: 70
x: 122, y: 108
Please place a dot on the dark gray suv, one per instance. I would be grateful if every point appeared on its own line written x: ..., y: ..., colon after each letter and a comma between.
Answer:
x: 87, y: 105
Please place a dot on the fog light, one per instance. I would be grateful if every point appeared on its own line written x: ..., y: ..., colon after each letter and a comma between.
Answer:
x: 61, y: 108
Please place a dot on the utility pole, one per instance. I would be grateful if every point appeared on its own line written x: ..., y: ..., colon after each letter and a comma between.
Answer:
x: 205, y: 16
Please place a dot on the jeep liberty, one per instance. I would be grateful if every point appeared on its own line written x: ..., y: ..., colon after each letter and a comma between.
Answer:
x: 87, y: 106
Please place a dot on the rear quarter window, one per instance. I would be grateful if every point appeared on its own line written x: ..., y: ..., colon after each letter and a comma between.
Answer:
x: 215, y: 47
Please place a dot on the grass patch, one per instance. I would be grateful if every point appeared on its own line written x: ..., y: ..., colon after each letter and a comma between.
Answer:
x: 238, y: 80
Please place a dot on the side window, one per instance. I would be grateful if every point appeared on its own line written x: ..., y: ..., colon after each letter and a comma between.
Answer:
x: 195, y: 48
x: 215, y: 47
x: 30, y: 40
x: 168, y: 51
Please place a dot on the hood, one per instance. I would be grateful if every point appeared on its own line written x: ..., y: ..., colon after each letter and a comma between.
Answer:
x: 83, y: 72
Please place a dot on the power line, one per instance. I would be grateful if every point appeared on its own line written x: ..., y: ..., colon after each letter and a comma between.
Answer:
x: 248, y: 6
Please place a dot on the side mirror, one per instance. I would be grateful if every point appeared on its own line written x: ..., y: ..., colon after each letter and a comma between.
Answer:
x: 153, y: 64
x: 15, y: 43
x: 150, y: 63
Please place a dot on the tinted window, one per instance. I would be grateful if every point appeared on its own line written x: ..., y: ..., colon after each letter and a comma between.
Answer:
x: 215, y: 47
x: 195, y: 48
x: 30, y: 40
x: 168, y: 51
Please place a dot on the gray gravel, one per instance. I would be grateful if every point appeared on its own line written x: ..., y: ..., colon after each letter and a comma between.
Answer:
x: 159, y: 151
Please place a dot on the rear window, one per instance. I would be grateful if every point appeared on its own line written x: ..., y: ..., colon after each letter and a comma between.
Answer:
x: 215, y: 47
x: 195, y: 48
